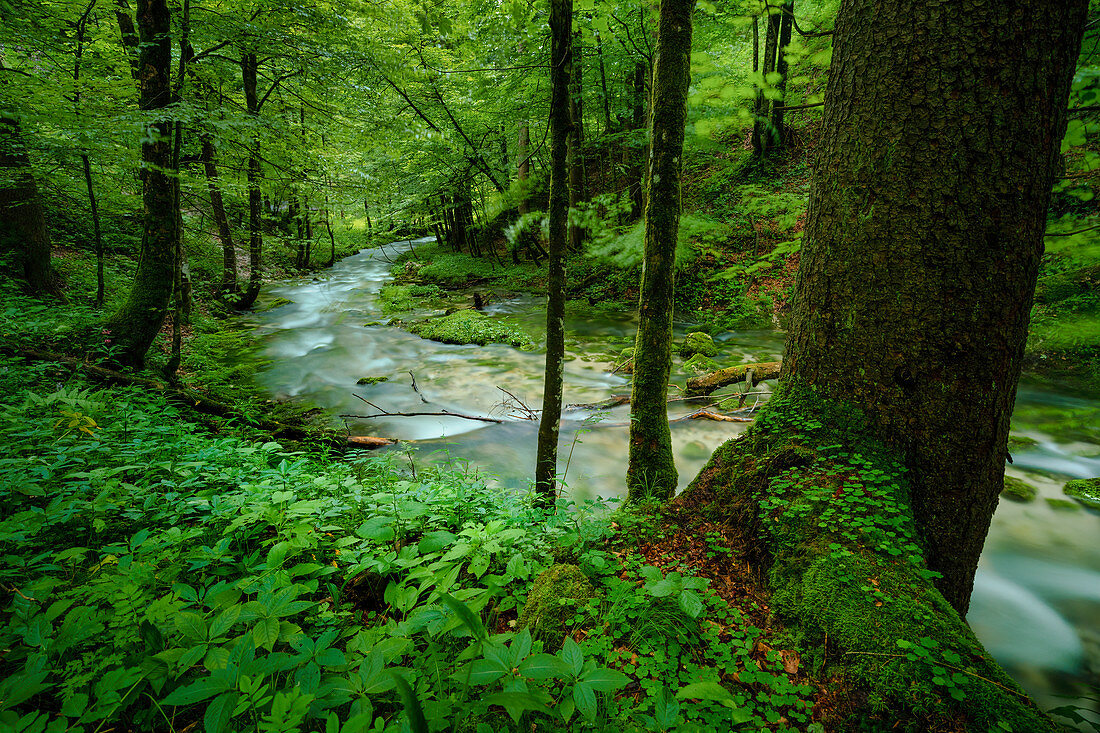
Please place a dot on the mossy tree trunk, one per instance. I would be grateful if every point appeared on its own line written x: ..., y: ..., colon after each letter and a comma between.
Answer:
x: 651, y: 469
x: 923, y: 240
x: 561, y: 70
x: 22, y: 221
x: 137, y: 323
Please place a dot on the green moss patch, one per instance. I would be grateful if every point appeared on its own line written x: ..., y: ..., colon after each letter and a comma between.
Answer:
x: 1018, y: 490
x: 1085, y: 490
x: 554, y: 595
x: 472, y: 327
x: 1020, y: 442
x: 698, y: 343
x: 400, y: 298
x: 824, y: 510
x: 371, y: 380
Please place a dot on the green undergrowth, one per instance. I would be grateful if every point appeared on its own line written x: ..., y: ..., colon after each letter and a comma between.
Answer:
x: 828, y: 511
x: 432, y: 264
x: 163, y: 578
x: 404, y: 298
x: 467, y: 326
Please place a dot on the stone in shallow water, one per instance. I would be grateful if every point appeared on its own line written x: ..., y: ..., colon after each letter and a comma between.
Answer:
x: 1018, y: 490
x: 698, y: 343
x: 1085, y: 490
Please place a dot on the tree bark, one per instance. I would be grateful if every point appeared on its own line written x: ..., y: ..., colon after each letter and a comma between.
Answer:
x: 778, y: 137
x: 249, y: 70
x: 561, y: 70
x: 577, y: 192
x: 761, y: 117
x: 651, y: 470
x: 137, y: 323
x: 923, y: 239
x: 22, y: 221
x: 632, y: 154
x: 221, y: 221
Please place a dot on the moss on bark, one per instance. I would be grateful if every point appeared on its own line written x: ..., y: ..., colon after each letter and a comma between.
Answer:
x: 826, y: 508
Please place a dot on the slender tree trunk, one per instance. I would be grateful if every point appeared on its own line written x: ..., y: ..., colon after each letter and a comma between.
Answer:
x: 603, y: 87
x: 81, y: 31
x: 523, y: 164
x: 249, y: 69
x: 561, y: 70
x: 633, y: 153
x: 923, y: 240
x: 651, y: 470
x: 181, y: 280
x: 221, y: 221
x: 577, y: 188
x: 135, y: 326
x: 761, y: 117
x: 778, y: 137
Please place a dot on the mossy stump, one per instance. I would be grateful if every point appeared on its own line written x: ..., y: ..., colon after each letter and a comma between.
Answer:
x: 544, y: 613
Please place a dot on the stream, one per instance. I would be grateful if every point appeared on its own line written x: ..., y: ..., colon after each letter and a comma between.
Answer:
x: 1036, y: 601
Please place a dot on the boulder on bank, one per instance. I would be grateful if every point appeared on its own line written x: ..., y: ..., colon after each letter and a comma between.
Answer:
x: 544, y: 613
x: 698, y: 343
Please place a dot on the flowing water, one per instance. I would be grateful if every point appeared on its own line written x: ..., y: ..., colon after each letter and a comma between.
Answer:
x: 1036, y: 602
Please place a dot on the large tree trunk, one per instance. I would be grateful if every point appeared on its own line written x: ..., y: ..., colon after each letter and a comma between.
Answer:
x: 561, y: 69
x: 22, y: 222
x: 923, y: 240
x: 651, y: 470
x: 135, y: 326
x: 221, y: 221
x: 249, y: 70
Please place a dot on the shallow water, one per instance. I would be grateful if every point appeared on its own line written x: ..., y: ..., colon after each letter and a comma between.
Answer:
x: 1036, y: 602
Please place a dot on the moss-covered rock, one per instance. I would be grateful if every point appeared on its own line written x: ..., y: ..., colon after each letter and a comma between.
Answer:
x: 1017, y: 489
x: 1084, y: 490
x: 371, y: 380
x: 698, y: 343
x: 472, y: 327
x: 824, y: 510
x: 545, y: 613
x: 1020, y: 442
x: 1062, y: 505
x: 272, y: 305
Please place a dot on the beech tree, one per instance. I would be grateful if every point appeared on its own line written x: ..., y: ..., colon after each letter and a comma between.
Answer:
x: 923, y: 241
x: 651, y: 468
x: 137, y: 323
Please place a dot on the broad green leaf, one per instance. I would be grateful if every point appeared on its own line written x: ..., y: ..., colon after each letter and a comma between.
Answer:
x: 585, y: 698
x: 691, y: 603
x: 605, y: 680
x: 572, y: 655
x: 543, y: 666
x: 192, y: 625
x: 517, y: 703
x: 219, y: 712
x: 198, y: 691
x: 460, y: 609
x: 436, y: 541
x: 266, y: 632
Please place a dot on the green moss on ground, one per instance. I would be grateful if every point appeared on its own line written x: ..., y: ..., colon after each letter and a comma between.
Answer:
x: 548, y: 608
x: 825, y: 511
x: 472, y: 327
x: 1017, y: 489
x: 401, y: 298
x: 1085, y: 490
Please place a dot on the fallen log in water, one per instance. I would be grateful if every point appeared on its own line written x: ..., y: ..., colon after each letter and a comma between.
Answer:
x: 707, y: 383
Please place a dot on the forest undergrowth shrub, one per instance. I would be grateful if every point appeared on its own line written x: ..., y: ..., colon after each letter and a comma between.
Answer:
x: 163, y: 579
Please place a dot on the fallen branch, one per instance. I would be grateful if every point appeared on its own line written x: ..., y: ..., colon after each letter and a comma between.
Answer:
x: 706, y: 414
x: 441, y: 413
x: 613, y: 401
x: 707, y: 383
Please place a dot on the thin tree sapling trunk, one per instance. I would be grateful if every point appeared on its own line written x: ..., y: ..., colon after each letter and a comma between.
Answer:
x: 561, y: 70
